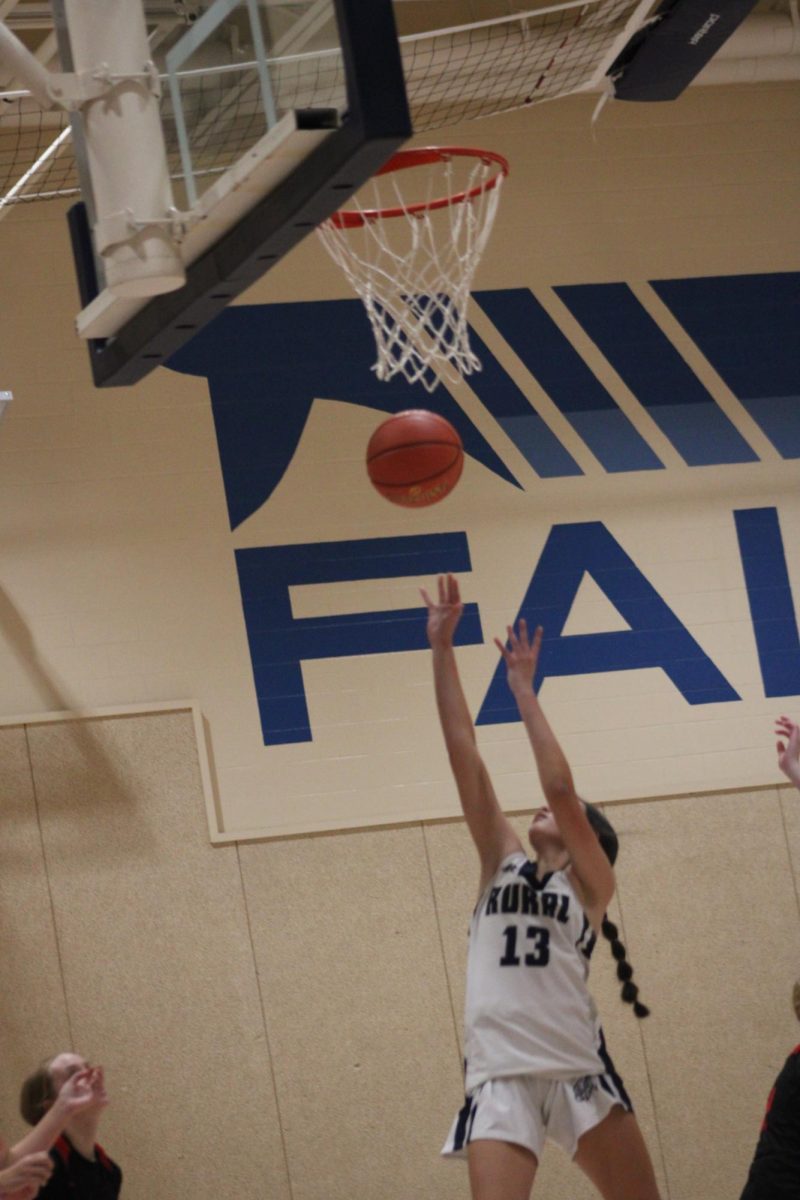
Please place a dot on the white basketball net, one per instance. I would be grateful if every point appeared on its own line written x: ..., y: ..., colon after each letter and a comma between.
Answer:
x: 414, y: 271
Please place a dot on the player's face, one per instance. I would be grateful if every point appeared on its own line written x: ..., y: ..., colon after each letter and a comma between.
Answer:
x: 542, y: 827
x: 65, y: 1065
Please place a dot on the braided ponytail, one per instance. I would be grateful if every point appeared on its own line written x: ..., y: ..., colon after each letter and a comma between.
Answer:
x: 630, y: 991
x: 610, y: 844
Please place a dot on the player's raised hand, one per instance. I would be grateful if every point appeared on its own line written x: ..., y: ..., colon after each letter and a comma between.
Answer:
x: 788, y: 746
x: 23, y: 1179
x: 444, y: 613
x: 76, y: 1092
x: 98, y: 1082
x: 521, y: 654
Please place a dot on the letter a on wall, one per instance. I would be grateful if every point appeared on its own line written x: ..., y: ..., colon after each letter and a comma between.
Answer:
x: 656, y: 638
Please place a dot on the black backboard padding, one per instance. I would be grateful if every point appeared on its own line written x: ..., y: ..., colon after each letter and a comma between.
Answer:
x: 661, y: 60
x: 80, y: 235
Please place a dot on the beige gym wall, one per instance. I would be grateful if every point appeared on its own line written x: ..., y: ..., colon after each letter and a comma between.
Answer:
x: 282, y: 1018
x: 120, y: 524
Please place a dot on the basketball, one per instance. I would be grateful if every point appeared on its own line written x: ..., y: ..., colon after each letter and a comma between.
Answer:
x: 415, y: 458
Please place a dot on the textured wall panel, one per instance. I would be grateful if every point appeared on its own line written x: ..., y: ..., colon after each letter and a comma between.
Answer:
x: 33, y: 1017
x: 159, y: 973
x: 366, y: 1058
x: 711, y: 912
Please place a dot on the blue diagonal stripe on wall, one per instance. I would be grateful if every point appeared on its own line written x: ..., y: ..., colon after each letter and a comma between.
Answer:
x: 655, y: 372
x: 748, y: 327
x: 574, y: 389
x: 512, y: 410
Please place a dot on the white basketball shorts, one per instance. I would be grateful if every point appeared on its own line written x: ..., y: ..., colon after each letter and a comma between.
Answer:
x: 526, y: 1109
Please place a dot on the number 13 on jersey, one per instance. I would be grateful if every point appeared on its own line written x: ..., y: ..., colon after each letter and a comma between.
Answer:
x: 538, y: 956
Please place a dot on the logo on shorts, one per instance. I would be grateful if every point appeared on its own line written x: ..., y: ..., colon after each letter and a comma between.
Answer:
x: 584, y: 1089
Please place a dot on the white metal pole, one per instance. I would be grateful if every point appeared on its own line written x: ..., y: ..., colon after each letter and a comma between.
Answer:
x: 17, y: 58
x: 125, y: 149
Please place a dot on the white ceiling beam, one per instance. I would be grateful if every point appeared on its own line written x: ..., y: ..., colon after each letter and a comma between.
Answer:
x: 161, y: 33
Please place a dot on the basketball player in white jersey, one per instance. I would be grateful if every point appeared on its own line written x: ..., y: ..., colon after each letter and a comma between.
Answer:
x: 535, y: 1060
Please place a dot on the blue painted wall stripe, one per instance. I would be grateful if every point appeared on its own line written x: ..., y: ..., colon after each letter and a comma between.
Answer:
x: 511, y: 408
x: 573, y: 388
x: 769, y: 594
x: 747, y: 327
x: 658, y: 376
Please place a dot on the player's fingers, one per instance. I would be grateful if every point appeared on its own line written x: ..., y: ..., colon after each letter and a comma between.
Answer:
x: 81, y: 1079
x: 503, y: 649
x: 34, y: 1173
x: 426, y: 598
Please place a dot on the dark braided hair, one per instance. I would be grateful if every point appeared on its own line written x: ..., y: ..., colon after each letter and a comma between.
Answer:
x: 610, y: 844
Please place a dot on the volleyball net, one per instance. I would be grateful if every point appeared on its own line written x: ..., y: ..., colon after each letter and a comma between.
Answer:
x: 217, y: 110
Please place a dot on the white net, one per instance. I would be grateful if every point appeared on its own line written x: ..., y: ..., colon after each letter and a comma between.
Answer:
x: 413, y: 269
x: 452, y: 75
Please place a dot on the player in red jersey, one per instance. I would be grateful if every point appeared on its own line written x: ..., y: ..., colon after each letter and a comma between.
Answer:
x: 775, y: 1170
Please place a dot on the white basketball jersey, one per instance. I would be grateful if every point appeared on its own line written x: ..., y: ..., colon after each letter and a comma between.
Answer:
x: 528, y: 1008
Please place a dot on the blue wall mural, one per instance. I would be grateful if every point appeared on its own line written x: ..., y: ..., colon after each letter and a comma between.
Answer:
x: 265, y: 369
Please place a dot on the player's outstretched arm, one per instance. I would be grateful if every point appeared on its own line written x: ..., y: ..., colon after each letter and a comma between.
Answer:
x: 788, y: 734
x: 589, y: 863
x: 491, y: 830
x: 77, y: 1094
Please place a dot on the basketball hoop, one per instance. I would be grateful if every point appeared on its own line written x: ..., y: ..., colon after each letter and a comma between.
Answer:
x: 414, y: 275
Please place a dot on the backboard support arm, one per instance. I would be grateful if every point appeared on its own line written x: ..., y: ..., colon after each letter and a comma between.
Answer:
x: 376, y: 123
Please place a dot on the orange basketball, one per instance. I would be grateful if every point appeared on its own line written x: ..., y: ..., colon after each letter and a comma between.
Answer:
x: 415, y: 458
